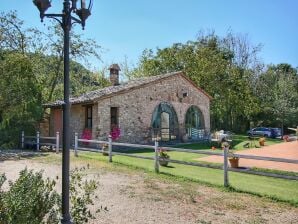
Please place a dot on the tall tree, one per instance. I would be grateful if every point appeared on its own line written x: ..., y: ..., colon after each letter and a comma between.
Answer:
x: 277, y: 89
x: 20, y: 97
x: 32, y: 72
x: 80, y: 50
x: 211, y: 62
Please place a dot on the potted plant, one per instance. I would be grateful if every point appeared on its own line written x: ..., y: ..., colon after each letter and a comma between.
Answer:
x: 115, y: 132
x: 262, y: 141
x: 163, y: 157
x: 105, y: 149
x: 224, y: 144
x: 234, y: 160
x: 87, y: 134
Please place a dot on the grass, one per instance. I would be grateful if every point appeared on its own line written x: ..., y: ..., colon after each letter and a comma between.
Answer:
x: 276, y: 189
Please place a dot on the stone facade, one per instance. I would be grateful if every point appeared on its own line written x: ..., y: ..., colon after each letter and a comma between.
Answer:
x: 136, y: 106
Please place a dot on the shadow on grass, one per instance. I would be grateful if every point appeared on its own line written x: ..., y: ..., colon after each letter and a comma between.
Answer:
x: 194, y: 146
x: 168, y: 167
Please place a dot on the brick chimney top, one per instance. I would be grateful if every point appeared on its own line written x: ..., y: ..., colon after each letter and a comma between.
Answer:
x: 115, y: 66
x: 114, y: 74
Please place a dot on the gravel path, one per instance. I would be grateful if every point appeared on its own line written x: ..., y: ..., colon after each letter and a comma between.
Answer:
x: 137, y: 197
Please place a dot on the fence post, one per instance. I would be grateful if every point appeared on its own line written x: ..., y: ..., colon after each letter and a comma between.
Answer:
x: 37, y: 140
x: 76, y: 144
x: 110, y: 149
x: 23, y: 140
x: 226, y: 176
x: 156, y: 160
x: 57, y: 142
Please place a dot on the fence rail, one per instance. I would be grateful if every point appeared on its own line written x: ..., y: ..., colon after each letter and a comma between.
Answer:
x: 156, y: 157
x: 39, y: 143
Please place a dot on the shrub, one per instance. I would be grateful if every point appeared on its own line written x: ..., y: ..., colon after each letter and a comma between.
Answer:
x: 32, y: 199
x: 29, y: 199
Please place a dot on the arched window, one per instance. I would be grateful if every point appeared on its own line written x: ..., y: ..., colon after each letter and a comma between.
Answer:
x: 164, y: 122
x: 194, y: 123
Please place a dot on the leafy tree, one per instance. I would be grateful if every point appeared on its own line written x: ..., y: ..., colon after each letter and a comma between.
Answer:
x: 277, y: 89
x: 20, y: 98
x: 14, y: 37
x: 80, y: 49
x: 223, y: 67
x: 31, y: 64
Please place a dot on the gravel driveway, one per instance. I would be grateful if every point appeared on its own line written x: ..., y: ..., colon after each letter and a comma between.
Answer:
x: 136, y: 197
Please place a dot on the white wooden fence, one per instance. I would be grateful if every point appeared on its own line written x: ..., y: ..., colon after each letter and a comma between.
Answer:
x: 36, y: 140
x: 156, y: 158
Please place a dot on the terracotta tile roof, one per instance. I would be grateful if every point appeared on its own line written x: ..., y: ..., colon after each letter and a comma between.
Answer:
x: 89, y: 97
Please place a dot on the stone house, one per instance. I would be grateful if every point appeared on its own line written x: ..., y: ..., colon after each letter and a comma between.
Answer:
x: 165, y: 107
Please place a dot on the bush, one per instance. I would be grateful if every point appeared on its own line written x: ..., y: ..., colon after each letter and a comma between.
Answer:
x: 32, y: 199
x: 29, y: 199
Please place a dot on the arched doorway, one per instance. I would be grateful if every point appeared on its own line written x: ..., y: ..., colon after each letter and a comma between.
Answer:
x: 164, y: 122
x: 194, y: 123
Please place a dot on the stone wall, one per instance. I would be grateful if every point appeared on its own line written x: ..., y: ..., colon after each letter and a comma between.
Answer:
x: 136, y: 108
x: 77, y: 120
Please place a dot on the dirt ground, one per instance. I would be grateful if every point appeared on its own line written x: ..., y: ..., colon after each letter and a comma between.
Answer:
x: 286, y: 150
x: 133, y: 196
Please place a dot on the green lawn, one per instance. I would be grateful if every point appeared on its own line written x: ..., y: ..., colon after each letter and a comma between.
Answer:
x: 277, y: 189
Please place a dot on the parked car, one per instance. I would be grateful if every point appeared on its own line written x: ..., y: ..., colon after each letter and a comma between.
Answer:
x: 266, y: 132
x: 275, y: 132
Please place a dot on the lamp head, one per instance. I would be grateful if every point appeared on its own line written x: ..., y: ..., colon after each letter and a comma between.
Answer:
x: 84, y: 12
x: 42, y: 5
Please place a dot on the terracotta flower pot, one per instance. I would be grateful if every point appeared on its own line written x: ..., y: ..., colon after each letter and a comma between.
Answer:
x: 262, y: 141
x: 234, y: 162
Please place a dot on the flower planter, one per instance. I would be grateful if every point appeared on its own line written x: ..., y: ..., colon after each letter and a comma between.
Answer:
x: 105, y: 153
x: 234, y: 162
x: 105, y: 150
x: 163, y: 161
x: 262, y: 141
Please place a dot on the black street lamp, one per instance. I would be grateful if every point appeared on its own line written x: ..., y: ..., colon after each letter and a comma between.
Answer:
x: 66, y: 20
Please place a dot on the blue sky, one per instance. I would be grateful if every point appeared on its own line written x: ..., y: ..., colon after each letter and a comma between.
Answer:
x: 124, y: 28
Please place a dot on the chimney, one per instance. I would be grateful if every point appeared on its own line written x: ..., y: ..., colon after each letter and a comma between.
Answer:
x: 114, y: 74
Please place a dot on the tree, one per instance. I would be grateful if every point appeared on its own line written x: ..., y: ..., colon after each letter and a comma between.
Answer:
x: 14, y: 37
x: 32, y: 73
x: 20, y: 97
x: 223, y: 67
x: 52, y: 58
x: 277, y: 89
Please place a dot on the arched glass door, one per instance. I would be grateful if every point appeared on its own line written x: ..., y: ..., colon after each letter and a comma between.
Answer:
x: 164, y: 122
x: 194, y: 123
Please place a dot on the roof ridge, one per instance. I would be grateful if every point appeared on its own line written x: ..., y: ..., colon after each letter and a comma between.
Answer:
x: 89, y: 96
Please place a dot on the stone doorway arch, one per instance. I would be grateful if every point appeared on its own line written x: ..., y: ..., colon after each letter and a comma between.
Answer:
x: 164, y: 122
x: 194, y: 123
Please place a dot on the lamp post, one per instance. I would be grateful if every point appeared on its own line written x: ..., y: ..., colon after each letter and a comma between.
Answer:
x: 66, y: 20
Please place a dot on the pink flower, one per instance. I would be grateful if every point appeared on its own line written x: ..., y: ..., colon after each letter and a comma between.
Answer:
x: 115, y: 133
x: 87, y: 134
